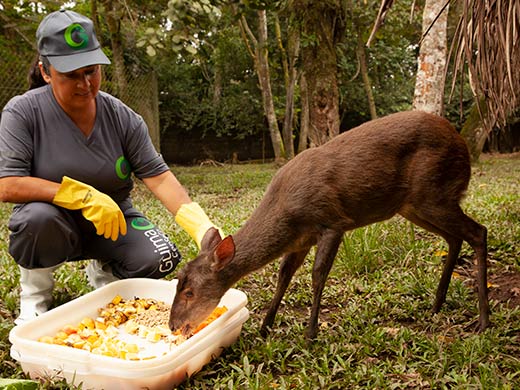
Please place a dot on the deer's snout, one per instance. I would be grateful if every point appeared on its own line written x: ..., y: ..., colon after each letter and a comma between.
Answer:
x: 176, y: 324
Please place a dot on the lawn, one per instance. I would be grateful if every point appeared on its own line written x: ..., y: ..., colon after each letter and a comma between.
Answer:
x: 376, y: 328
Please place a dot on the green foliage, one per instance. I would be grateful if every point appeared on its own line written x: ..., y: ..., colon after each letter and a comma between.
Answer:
x: 183, y: 28
x: 391, y: 61
x: 18, y: 384
x: 207, y: 81
x: 219, y: 95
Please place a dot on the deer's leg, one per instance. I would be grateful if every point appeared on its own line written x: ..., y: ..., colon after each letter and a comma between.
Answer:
x: 453, y: 253
x: 454, y: 245
x: 289, y: 264
x: 455, y: 226
x: 462, y: 226
x: 326, y: 253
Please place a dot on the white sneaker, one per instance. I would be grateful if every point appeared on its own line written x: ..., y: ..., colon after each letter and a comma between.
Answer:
x: 36, y: 292
x: 99, y: 274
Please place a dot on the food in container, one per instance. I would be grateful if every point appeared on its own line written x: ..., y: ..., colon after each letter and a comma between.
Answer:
x: 160, y: 365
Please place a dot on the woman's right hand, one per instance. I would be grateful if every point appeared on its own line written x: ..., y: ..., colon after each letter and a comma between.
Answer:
x: 96, y: 206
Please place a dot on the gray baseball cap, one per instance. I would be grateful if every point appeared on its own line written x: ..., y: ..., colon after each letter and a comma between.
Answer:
x: 68, y: 40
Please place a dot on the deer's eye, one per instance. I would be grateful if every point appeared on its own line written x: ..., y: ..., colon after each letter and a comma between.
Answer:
x: 188, y: 294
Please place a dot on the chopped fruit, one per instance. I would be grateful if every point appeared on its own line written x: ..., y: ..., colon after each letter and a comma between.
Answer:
x: 146, y: 318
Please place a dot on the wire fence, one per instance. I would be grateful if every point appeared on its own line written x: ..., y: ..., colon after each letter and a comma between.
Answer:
x: 141, y: 92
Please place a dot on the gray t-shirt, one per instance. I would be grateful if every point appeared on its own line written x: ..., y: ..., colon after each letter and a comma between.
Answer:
x: 37, y: 138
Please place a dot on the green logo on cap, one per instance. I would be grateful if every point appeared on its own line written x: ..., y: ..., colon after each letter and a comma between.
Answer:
x: 76, y: 36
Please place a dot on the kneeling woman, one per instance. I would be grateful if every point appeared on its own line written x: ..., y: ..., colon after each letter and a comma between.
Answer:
x: 67, y: 152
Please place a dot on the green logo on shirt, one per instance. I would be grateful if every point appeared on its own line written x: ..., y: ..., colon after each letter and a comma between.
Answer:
x: 122, y: 168
x: 141, y: 224
x: 76, y: 36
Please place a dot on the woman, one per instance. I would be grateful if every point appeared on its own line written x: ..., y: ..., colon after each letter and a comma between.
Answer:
x: 67, y: 152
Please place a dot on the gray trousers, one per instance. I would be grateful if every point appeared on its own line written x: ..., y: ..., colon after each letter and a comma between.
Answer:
x: 44, y: 235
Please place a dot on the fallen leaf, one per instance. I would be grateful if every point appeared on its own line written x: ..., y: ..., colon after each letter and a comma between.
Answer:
x: 392, y: 331
x: 440, y: 253
x: 445, y: 339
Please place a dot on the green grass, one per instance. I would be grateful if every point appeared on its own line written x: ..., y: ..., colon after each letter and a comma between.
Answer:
x: 376, y: 328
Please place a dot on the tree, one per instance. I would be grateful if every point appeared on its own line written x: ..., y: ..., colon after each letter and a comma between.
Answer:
x: 258, y: 48
x: 431, y: 64
x: 289, y: 60
x: 378, y: 79
x: 322, y: 28
x: 486, y: 43
x: 114, y: 12
x: 363, y: 65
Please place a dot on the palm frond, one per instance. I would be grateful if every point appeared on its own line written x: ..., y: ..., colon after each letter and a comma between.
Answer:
x: 486, y: 43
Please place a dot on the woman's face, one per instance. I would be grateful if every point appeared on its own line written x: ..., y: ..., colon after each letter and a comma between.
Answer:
x: 74, y: 90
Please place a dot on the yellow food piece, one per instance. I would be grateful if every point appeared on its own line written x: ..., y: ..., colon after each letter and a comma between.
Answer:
x: 79, y: 344
x: 148, y: 357
x: 58, y: 341
x: 132, y: 356
x: 87, y: 323
x: 131, y: 327
x: 100, y: 324
x: 117, y: 299
x: 132, y: 348
x: 153, y: 336
x: 46, y: 339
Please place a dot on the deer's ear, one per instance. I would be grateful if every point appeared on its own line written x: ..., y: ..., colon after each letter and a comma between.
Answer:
x: 210, y: 239
x: 224, y: 253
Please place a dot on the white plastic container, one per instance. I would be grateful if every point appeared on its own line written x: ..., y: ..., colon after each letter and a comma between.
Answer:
x: 93, y: 371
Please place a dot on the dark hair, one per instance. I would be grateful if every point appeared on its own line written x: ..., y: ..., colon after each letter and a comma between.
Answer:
x: 35, y: 77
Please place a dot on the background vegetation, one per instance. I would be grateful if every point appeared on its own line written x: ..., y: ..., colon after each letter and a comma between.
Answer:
x: 376, y: 329
x: 207, y: 84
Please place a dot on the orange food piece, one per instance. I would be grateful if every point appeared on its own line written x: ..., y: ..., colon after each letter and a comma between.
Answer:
x: 212, y: 317
x: 70, y: 329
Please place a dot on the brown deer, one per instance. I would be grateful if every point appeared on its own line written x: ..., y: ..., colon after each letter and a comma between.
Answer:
x: 411, y: 163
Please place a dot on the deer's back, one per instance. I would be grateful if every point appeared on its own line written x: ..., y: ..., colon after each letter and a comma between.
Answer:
x: 368, y: 173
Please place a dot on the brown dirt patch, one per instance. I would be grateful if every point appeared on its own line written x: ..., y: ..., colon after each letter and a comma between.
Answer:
x: 491, y: 156
x: 505, y: 288
x: 503, y: 282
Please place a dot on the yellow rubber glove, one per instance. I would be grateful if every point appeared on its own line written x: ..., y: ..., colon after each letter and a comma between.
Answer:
x: 194, y: 220
x: 97, y: 207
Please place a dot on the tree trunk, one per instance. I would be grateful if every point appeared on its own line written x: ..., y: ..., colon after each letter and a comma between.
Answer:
x: 366, y: 79
x: 260, y: 57
x: 303, y: 142
x: 217, y: 92
x: 290, y: 76
x: 323, y: 24
x: 265, y: 85
x: 429, y: 85
x: 113, y: 16
x: 474, y: 132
